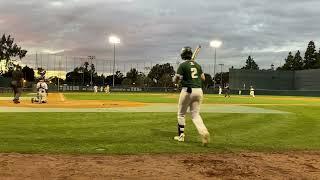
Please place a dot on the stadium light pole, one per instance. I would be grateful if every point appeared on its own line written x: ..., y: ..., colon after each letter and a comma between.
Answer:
x: 215, y: 44
x: 221, y: 75
x: 114, y: 40
x: 91, y: 78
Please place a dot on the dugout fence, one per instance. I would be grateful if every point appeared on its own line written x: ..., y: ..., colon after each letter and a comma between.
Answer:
x: 52, y: 89
x: 292, y: 82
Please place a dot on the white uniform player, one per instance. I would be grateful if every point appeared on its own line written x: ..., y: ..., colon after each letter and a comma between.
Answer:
x: 101, y: 89
x: 107, y: 89
x: 251, y: 91
x: 95, y: 89
x: 220, y: 90
x: 191, y: 76
x: 42, y: 95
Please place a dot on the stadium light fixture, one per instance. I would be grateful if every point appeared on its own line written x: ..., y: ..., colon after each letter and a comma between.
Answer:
x: 114, y: 40
x: 215, y: 44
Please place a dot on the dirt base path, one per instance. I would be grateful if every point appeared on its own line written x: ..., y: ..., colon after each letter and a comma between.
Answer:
x: 292, y: 165
x: 57, y: 100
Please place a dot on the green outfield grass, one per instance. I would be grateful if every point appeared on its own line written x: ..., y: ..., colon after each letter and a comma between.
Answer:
x: 208, y: 98
x: 135, y: 133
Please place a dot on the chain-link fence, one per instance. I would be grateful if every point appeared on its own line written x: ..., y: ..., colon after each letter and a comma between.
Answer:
x: 59, y: 65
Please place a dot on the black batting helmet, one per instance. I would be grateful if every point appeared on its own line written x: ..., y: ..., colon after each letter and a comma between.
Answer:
x: 186, y: 53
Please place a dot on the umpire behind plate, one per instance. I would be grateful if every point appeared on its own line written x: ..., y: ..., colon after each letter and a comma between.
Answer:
x: 190, y: 75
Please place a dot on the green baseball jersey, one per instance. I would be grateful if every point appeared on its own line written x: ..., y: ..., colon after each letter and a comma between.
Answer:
x: 191, y: 73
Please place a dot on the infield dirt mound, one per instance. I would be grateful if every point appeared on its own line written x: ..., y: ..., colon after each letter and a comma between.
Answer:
x: 57, y: 100
x: 291, y: 165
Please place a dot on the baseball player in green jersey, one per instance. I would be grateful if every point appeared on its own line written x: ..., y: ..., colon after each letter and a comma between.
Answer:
x: 191, y: 76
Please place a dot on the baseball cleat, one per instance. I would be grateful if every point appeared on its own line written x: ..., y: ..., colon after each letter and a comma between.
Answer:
x: 179, y: 138
x: 205, y: 139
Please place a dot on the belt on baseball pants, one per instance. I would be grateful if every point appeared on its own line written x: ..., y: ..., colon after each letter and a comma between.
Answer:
x: 189, y: 89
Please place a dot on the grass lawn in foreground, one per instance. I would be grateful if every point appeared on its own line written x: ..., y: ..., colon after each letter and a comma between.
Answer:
x: 134, y: 133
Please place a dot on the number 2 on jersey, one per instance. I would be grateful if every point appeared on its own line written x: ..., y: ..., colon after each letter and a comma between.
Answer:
x: 194, y: 72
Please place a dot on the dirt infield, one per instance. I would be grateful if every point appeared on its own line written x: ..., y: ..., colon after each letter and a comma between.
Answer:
x: 58, y: 103
x: 57, y: 100
x: 293, y: 165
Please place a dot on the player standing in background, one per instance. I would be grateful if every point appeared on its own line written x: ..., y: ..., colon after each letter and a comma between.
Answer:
x: 227, y: 91
x: 95, y: 89
x: 220, y: 90
x: 191, y: 76
x: 17, y: 83
x: 107, y: 89
x: 251, y: 91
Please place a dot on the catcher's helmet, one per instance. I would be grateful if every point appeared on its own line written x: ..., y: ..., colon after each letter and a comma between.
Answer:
x: 43, y: 72
x: 186, y: 53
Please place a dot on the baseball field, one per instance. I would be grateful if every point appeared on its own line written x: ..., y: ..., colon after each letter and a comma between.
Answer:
x: 130, y: 136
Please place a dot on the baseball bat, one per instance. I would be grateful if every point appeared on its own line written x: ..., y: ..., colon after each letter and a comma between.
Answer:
x: 195, y: 53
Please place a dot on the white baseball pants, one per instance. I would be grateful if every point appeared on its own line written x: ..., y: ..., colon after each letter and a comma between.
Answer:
x: 192, y: 101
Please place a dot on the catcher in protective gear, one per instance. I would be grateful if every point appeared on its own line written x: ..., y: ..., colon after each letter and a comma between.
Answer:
x: 42, y: 93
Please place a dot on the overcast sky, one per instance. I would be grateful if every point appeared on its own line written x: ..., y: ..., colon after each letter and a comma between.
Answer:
x: 157, y: 29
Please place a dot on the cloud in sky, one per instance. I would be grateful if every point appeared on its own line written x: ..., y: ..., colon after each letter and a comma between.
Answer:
x: 158, y: 29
